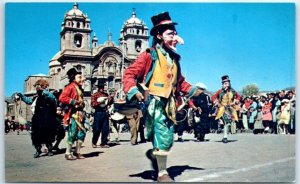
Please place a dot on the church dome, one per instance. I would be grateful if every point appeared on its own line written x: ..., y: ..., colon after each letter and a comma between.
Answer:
x: 54, y: 63
x: 133, y: 20
x: 75, y: 12
x: 109, y: 44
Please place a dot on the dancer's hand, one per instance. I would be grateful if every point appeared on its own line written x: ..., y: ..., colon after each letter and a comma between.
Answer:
x: 139, y: 96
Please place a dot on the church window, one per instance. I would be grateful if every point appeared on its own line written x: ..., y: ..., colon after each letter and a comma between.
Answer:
x: 138, y: 45
x: 137, y: 31
x: 78, y: 40
x: 78, y: 24
x: 110, y: 82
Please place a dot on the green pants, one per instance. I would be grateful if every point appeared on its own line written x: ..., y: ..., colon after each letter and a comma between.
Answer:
x: 160, y: 129
x: 75, y: 133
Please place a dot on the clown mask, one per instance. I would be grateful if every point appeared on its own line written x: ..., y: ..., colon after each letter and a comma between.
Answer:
x: 170, y: 39
x: 225, y: 85
x: 79, y: 79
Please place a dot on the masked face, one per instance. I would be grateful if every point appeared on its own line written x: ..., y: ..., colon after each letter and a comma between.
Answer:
x: 170, y: 39
x: 79, y: 79
x: 39, y: 89
x: 226, y: 85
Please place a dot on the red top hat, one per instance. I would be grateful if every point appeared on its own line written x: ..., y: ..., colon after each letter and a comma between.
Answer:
x: 160, y: 20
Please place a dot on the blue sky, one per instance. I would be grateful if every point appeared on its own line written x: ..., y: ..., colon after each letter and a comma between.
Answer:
x: 251, y: 42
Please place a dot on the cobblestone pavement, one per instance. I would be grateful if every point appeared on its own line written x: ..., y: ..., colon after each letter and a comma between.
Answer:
x: 246, y: 158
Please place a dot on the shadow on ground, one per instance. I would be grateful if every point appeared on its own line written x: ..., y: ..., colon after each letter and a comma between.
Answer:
x: 123, y: 140
x: 173, y: 172
x: 86, y: 155
x: 205, y: 140
x: 229, y: 141
x: 112, y: 144
x: 194, y: 140
x: 92, y: 154
x: 60, y: 151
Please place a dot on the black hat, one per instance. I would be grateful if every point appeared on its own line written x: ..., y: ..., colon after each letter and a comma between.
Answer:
x: 161, y: 19
x: 72, y: 73
x: 263, y: 96
x: 225, y: 78
x: 273, y: 94
x: 100, y: 83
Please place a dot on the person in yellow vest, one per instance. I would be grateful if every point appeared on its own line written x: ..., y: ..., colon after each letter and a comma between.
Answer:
x: 226, y: 98
x: 158, y: 68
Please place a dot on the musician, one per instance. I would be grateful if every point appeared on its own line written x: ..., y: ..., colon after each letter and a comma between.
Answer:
x: 159, y: 69
x: 72, y: 97
x: 226, y: 99
x: 43, y: 119
x: 100, y: 101
x: 201, y: 106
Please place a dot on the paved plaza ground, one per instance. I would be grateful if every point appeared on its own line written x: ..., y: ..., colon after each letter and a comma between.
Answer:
x: 246, y: 158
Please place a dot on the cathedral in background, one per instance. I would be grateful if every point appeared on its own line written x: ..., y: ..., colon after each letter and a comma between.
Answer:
x: 80, y: 49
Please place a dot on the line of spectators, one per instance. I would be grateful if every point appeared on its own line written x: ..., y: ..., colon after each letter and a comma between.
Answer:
x: 271, y: 113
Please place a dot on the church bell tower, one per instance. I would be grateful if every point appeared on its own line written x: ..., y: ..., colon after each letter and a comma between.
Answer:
x: 134, y: 36
x: 75, y: 31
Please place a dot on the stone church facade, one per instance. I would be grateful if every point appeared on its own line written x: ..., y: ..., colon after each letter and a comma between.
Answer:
x: 96, y: 61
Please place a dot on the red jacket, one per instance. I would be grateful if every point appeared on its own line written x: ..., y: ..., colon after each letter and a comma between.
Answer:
x: 141, y: 71
x: 69, y: 97
x: 218, y: 96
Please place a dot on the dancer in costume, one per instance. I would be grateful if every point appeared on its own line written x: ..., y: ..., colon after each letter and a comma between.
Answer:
x: 201, y: 106
x: 226, y: 98
x: 72, y: 97
x: 159, y: 69
x: 43, y: 120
